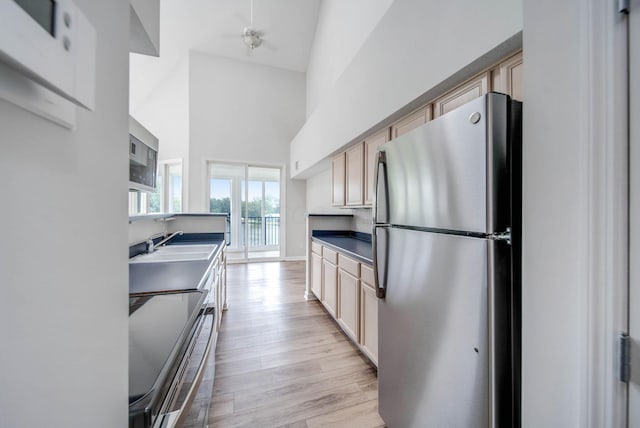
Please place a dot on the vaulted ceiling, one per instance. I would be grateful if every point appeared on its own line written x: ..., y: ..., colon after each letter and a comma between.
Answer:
x: 215, y: 27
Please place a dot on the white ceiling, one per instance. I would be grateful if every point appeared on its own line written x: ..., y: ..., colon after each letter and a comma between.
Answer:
x: 215, y: 27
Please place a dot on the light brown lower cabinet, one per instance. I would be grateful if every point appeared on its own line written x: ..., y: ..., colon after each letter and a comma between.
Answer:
x: 349, y: 307
x: 369, y: 321
x: 348, y: 295
x: 330, y: 287
x: 316, y: 275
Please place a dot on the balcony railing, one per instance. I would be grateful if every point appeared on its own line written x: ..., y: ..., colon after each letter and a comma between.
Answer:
x: 263, y: 231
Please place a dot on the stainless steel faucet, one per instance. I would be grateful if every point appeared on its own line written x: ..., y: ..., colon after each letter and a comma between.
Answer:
x: 153, y: 247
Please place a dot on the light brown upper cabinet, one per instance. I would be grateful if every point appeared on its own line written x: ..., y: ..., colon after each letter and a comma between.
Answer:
x: 511, y: 77
x: 354, y: 170
x: 354, y: 175
x: 470, y: 90
x: 337, y: 179
x: 415, y: 119
x: 371, y: 145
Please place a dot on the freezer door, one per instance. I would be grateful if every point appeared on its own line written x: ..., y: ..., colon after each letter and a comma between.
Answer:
x: 433, y: 331
x: 451, y: 172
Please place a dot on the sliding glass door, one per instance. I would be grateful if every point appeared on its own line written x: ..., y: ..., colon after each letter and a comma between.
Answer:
x: 250, y: 195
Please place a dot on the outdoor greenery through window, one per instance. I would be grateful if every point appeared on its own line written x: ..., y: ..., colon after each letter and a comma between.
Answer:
x: 167, y: 196
x: 250, y: 196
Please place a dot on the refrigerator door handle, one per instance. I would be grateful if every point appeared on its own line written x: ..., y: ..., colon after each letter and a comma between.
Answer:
x: 381, y: 201
x: 380, y: 257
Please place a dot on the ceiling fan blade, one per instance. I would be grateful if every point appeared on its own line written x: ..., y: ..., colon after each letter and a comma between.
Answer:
x: 270, y: 46
x: 241, y: 17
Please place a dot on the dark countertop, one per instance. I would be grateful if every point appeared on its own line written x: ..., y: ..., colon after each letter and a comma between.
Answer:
x: 328, y: 215
x: 162, y: 216
x: 184, y: 239
x: 146, y: 278
x: 353, y: 244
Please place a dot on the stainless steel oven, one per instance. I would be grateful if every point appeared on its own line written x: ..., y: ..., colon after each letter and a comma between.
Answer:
x: 170, y: 338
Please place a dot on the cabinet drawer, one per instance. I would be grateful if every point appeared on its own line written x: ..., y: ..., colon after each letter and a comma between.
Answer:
x: 330, y: 255
x: 316, y: 248
x: 349, y: 265
x: 366, y: 274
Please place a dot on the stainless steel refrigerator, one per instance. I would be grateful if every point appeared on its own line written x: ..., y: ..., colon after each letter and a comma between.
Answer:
x: 447, y: 258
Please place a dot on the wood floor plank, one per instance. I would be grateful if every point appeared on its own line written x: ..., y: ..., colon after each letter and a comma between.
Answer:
x: 304, y: 389
x: 337, y: 398
x: 284, y: 345
x: 282, y: 361
x: 363, y: 415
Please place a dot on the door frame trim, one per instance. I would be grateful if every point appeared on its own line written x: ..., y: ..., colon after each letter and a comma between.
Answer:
x: 604, y: 131
x: 283, y: 204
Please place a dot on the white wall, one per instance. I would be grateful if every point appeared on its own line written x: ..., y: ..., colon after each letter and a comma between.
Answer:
x: 243, y: 112
x: 342, y: 28
x: 575, y: 205
x: 165, y: 112
x: 407, y: 54
x: 319, y: 194
x: 63, y: 253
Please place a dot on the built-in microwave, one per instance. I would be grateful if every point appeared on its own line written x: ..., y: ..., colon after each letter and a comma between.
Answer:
x: 143, y: 157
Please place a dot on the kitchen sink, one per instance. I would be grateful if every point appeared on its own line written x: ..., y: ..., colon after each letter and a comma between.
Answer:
x: 176, y: 253
x: 177, y: 249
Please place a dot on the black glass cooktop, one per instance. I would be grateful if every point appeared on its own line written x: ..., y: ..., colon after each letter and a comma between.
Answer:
x: 158, y: 325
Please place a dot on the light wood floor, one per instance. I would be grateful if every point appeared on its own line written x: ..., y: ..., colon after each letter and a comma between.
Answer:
x: 282, y: 362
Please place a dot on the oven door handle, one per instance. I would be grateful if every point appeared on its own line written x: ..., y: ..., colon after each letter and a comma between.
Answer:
x: 176, y: 417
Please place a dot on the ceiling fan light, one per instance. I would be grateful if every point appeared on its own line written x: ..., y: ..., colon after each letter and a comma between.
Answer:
x: 251, y: 38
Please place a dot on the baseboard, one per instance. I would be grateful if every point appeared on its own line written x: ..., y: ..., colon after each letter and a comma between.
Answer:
x: 295, y: 259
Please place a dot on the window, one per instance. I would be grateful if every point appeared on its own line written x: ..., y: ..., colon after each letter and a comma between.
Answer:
x: 174, y: 187
x: 167, y: 197
x: 138, y: 202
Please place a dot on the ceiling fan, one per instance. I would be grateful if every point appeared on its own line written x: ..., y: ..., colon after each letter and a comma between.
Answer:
x: 250, y: 36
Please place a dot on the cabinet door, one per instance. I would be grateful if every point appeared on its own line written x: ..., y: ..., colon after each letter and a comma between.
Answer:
x: 411, y: 122
x: 369, y: 321
x: 471, y: 90
x: 316, y: 275
x: 371, y: 145
x: 330, y: 287
x: 349, y: 298
x: 337, y: 198
x: 354, y: 175
x: 219, y: 296
x: 511, y: 77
